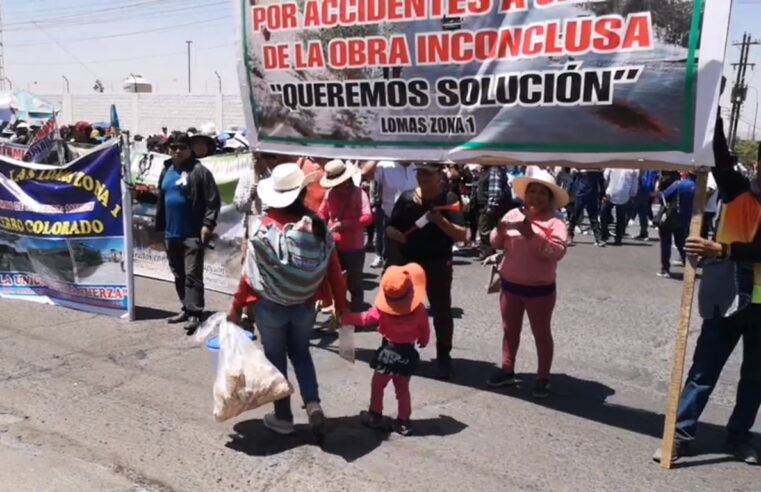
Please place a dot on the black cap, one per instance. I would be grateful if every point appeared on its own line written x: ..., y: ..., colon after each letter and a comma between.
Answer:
x: 429, y: 166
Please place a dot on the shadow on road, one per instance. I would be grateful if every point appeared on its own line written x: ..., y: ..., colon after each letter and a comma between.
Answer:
x: 577, y: 397
x: 145, y: 313
x: 346, y: 437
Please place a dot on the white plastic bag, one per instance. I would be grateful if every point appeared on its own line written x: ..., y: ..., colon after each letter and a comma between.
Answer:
x: 245, y: 378
x: 346, y: 343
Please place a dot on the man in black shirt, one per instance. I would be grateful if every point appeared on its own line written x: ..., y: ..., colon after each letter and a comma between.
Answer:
x: 425, y: 224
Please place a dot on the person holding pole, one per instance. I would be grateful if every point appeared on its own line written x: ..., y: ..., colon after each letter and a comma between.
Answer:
x: 730, y: 304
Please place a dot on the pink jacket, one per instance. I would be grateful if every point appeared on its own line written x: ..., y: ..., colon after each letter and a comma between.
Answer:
x: 532, y: 261
x: 408, y: 328
x: 352, y: 209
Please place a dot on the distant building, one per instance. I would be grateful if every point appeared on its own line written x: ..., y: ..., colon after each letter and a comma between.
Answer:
x: 137, y: 84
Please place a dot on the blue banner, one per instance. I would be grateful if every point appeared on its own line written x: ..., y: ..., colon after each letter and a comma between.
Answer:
x: 62, y: 233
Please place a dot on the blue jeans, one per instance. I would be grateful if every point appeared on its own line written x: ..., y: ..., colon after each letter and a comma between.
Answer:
x: 286, y: 331
x: 643, y: 208
x: 718, y: 339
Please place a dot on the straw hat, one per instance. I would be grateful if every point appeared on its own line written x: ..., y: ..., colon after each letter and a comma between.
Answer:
x: 402, y: 289
x: 211, y: 144
x: 560, y: 197
x: 336, y: 172
x: 284, y: 186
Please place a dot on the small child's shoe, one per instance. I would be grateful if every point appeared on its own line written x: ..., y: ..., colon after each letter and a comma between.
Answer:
x: 402, y: 427
x: 372, y: 420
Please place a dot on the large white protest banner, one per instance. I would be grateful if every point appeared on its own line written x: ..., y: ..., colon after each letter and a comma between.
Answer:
x: 589, y: 82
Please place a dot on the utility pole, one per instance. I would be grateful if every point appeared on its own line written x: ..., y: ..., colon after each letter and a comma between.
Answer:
x: 66, y: 80
x: 219, y: 78
x: 740, y: 89
x: 189, y: 43
x: 2, y: 52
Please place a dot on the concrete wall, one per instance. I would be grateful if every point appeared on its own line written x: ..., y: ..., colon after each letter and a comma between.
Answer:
x: 147, y: 113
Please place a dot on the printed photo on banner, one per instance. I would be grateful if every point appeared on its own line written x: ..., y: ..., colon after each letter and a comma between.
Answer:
x: 437, y: 79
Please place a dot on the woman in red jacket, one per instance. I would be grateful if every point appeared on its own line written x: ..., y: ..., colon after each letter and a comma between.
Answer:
x: 292, y: 263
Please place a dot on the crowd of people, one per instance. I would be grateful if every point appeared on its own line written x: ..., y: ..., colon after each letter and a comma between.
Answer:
x: 205, y: 142
x: 309, y: 222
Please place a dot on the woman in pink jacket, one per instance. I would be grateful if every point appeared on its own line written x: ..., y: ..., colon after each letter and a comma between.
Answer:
x: 534, y: 239
x: 346, y: 209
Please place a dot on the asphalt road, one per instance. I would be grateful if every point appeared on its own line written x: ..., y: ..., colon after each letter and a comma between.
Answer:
x: 91, y: 403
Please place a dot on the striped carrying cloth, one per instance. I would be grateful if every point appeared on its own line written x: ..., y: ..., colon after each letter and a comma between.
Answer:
x: 287, y: 266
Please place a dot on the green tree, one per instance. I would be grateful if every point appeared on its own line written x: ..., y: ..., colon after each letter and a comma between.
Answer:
x: 747, y: 152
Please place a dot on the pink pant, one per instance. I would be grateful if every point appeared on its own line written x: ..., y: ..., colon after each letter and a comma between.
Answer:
x: 402, y: 387
x: 539, y: 311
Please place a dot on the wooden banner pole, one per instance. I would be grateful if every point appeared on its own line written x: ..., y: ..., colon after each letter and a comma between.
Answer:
x: 685, y: 317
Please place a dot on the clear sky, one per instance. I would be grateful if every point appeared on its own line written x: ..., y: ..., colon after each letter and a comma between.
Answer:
x: 86, y: 40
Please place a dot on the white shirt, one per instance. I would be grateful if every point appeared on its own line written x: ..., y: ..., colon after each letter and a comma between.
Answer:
x: 394, y: 179
x: 623, y: 185
x: 712, y: 205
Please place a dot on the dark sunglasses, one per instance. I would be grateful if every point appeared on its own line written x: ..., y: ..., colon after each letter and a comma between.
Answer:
x: 178, y: 147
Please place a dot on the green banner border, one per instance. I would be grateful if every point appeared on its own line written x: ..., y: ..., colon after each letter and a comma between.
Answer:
x: 687, y: 144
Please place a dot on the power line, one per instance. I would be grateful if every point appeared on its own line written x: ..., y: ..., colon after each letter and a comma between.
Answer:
x: 56, y: 17
x: 740, y: 89
x: 119, y: 60
x: 127, y: 34
x: 136, y: 17
x: 68, y: 52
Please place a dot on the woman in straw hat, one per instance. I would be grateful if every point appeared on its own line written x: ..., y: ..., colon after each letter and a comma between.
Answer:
x: 291, y: 264
x: 346, y: 208
x: 402, y: 319
x: 534, y: 239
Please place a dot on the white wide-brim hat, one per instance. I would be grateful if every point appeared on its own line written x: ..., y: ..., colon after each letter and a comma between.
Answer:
x: 560, y: 197
x: 285, y: 185
x: 337, y: 172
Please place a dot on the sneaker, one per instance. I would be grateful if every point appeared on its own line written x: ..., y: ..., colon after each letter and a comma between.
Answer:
x: 377, y: 262
x: 282, y: 427
x: 541, y: 389
x: 177, y: 319
x: 372, y: 420
x: 643, y: 237
x: 402, y: 427
x: 600, y: 243
x: 664, y: 274
x: 501, y: 378
x: 618, y: 242
x: 677, y: 263
x: 744, y: 452
x: 316, y: 418
x: 680, y: 451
